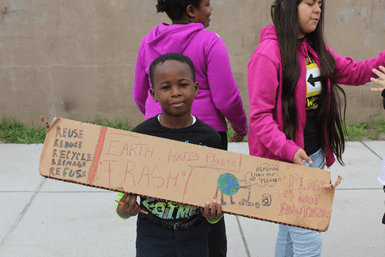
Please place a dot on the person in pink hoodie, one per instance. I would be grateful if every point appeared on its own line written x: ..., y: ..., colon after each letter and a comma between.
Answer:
x: 218, y: 96
x: 295, y: 103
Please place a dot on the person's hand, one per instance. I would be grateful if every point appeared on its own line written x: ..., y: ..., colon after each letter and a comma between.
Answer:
x: 236, y: 138
x: 380, y: 80
x: 129, y: 207
x: 212, y: 211
x: 301, y: 155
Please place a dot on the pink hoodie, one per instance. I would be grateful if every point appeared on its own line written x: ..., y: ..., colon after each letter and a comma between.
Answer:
x: 266, y: 138
x: 218, y: 95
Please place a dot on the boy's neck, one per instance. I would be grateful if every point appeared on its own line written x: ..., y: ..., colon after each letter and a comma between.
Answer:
x: 176, y: 122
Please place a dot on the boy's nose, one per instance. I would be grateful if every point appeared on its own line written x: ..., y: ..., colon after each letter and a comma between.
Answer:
x: 175, y: 91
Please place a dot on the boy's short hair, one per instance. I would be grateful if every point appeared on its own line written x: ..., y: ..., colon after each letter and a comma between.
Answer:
x: 171, y: 56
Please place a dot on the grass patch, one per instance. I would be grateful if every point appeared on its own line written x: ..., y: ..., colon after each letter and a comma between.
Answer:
x: 117, y: 124
x: 365, y: 131
x: 13, y: 131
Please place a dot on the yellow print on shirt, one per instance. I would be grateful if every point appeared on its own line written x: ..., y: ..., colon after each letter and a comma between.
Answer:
x: 313, y: 84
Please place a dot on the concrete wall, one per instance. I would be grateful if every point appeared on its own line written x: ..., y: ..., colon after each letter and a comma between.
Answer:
x: 76, y: 58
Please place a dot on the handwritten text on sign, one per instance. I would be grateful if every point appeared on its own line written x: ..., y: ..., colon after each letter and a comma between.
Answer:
x: 188, y: 174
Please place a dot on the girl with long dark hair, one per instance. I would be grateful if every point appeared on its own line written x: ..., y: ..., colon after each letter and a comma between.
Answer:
x: 297, y: 107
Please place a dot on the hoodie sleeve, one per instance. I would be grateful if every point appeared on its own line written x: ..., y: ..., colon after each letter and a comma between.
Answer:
x: 263, y: 85
x: 141, y: 84
x: 225, y: 93
x: 350, y: 72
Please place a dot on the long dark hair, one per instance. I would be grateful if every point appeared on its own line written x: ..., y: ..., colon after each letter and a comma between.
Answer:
x: 176, y: 9
x: 284, y: 14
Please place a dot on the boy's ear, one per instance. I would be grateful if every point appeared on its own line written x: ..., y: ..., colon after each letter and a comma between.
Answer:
x: 152, y: 92
x: 196, y: 88
x: 191, y: 11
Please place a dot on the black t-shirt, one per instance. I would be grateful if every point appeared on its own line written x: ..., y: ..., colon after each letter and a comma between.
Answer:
x: 200, y: 134
x: 313, y: 91
x: 383, y: 99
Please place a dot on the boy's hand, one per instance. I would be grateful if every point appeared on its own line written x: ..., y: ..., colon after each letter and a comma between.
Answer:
x: 130, y: 206
x: 212, y: 211
x: 236, y: 138
x: 380, y: 80
x: 300, y: 156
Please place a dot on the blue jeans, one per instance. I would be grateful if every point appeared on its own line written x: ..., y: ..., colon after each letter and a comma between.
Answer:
x: 300, y: 242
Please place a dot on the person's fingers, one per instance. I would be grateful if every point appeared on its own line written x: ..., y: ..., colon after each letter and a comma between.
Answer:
x: 130, y: 198
x: 305, y: 157
x: 205, y: 211
x: 382, y: 68
x: 308, y: 160
x: 135, y: 209
x: 380, y: 74
x: 213, y: 210
x: 377, y: 90
x: 219, y: 210
x: 301, y: 155
x: 124, y: 197
x: 378, y: 82
x: 236, y: 138
x: 298, y: 160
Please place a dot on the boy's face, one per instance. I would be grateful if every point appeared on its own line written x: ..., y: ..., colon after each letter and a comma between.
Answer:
x: 174, y: 88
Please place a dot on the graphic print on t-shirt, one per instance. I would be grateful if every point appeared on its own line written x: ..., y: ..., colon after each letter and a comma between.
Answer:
x: 313, y: 84
x: 168, y: 210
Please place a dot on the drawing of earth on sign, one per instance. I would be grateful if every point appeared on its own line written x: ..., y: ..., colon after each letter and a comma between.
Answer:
x: 228, y: 184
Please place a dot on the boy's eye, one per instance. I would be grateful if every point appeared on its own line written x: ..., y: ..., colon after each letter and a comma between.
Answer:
x: 184, y: 85
x: 165, y: 87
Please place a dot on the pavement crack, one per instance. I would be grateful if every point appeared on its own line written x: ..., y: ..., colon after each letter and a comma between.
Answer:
x: 22, y: 214
x: 243, y: 237
x: 371, y: 150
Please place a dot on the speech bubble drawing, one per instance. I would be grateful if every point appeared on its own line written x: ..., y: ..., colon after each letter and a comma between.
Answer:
x: 263, y: 175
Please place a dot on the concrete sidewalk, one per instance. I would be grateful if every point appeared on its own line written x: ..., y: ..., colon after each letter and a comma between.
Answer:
x: 42, y: 217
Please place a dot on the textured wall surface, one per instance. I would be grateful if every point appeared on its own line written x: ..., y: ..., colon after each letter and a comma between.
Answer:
x: 76, y: 58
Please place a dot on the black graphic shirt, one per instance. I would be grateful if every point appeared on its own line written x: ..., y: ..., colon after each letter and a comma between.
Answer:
x: 200, y: 134
x: 313, y: 92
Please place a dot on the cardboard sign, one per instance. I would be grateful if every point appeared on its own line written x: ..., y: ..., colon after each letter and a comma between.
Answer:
x: 185, y: 173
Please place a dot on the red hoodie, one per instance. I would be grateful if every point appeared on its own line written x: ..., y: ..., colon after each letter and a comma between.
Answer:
x: 266, y: 137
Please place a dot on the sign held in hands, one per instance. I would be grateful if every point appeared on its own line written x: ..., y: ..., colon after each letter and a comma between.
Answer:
x: 249, y: 186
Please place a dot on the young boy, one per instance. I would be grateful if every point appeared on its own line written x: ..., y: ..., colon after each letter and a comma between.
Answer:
x: 173, y: 86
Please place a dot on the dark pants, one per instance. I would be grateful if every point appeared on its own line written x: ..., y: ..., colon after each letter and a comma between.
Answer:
x: 217, y: 235
x: 157, y: 241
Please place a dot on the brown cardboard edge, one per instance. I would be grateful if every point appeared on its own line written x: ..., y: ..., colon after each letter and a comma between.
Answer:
x: 54, y: 121
x: 228, y: 212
